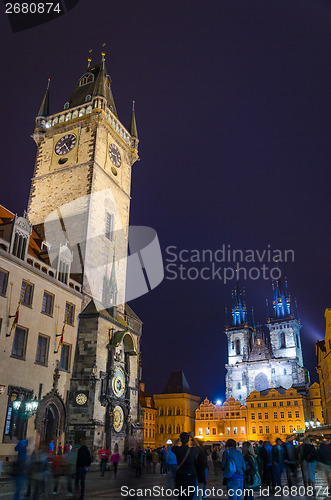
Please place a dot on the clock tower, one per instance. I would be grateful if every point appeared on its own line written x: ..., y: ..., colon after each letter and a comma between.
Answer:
x: 79, y: 203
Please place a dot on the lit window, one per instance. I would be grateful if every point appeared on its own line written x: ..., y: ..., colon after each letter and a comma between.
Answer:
x: 87, y: 78
x: 227, y: 430
x: 65, y: 357
x: 283, y: 429
x: 48, y: 302
x: 200, y: 431
x: 289, y: 414
x: 207, y: 431
x: 276, y: 429
x: 291, y: 429
x: 297, y: 414
x: 275, y: 414
x: 267, y: 429
x: 42, y: 350
x: 253, y: 430
x: 259, y: 416
x: 266, y: 416
x: 19, y: 344
x: 282, y: 414
x: 242, y: 430
x: 260, y: 429
x: 235, y: 430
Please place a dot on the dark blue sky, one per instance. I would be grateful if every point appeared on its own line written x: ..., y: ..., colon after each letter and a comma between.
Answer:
x: 233, y: 110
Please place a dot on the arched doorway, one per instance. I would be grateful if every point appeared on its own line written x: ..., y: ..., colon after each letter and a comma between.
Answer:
x: 51, y: 418
x: 51, y: 424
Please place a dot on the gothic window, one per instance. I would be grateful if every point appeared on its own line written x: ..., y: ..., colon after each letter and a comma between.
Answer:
x: 161, y: 429
x: 88, y: 98
x: 297, y: 340
x: 178, y: 411
x: 282, y: 340
x: 239, y: 385
x: 63, y: 272
x: 19, y: 246
x: 169, y: 429
x: 178, y: 429
x: 237, y: 346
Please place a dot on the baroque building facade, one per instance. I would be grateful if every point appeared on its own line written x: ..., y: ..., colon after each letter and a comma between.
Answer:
x: 73, y: 244
x: 257, y: 361
x: 323, y: 350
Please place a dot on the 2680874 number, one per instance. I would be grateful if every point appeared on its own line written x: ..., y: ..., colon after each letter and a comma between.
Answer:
x: 32, y: 8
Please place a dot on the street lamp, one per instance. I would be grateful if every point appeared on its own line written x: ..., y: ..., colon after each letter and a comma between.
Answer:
x: 25, y: 408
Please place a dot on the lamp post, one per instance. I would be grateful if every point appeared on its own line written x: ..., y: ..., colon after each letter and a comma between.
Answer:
x: 24, y: 409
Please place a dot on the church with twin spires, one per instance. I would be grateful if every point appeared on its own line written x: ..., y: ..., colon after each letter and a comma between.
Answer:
x: 258, y: 361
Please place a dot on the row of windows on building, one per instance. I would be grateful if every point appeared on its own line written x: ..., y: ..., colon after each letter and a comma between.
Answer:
x: 170, y: 411
x: 275, y: 415
x: 43, y: 345
x: 170, y: 429
x: 217, y: 415
x: 149, y: 433
x: 273, y: 403
x: 213, y: 431
x: 283, y: 429
x: 26, y: 297
x: 282, y: 344
x: 149, y: 416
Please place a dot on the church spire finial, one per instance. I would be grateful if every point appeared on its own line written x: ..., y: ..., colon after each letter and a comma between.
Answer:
x: 89, y: 59
x: 133, y: 124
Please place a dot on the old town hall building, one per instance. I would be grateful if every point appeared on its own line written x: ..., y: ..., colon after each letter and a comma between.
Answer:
x: 70, y: 354
x: 256, y: 361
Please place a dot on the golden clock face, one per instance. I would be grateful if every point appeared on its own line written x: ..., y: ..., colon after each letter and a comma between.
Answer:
x: 81, y: 398
x: 118, y: 383
x: 118, y: 416
x: 65, y: 144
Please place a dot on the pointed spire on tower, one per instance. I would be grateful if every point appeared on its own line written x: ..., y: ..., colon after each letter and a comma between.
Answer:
x: 44, y: 108
x: 239, y: 310
x: 133, y: 125
x: 281, y: 300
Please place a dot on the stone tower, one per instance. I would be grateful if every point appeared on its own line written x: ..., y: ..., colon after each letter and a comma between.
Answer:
x: 80, y: 192
x: 259, y: 361
x: 79, y: 202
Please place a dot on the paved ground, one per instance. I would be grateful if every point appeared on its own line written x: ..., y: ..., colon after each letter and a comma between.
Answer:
x: 109, y: 488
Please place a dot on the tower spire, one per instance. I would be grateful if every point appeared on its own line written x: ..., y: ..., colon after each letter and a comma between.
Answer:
x: 239, y: 310
x: 44, y: 108
x: 133, y: 125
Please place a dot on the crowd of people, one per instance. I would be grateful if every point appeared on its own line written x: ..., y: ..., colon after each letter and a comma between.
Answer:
x: 47, y: 468
x: 186, y: 465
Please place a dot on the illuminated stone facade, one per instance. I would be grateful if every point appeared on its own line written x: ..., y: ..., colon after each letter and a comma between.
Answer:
x: 323, y: 351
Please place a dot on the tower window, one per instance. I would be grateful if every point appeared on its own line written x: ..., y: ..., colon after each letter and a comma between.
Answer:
x: 87, y: 78
x: 297, y: 340
x: 237, y: 346
x: 109, y: 226
x: 66, y: 105
x: 239, y: 385
x: 282, y: 340
x: 19, y: 246
x: 108, y: 81
x: 3, y: 282
x: 88, y: 98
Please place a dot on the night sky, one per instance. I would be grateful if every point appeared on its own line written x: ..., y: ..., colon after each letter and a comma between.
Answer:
x: 233, y: 108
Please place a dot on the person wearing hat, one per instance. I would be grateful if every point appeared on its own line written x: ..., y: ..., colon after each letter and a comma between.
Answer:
x: 186, y: 474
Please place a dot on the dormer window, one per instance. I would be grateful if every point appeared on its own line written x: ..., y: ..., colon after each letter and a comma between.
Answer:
x: 66, y: 105
x: 87, y: 78
x: 88, y: 98
x: 108, y: 80
x: 64, y: 264
x: 20, y: 239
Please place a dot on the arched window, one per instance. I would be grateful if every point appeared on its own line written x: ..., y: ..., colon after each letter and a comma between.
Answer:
x: 297, y: 340
x: 161, y: 429
x: 237, y: 346
x: 66, y: 105
x: 178, y: 429
x: 169, y: 412
x: 108, y: 81
x: 178, y: 411
x: 239, y: 385
x: 161, y: 412
x: 19, y: 246
x: 169, y: 429
x: 282, y: 340
x: 88, y: 98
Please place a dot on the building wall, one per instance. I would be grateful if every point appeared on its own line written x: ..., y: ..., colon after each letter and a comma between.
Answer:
x: 323, y: 350
x: 175, y: 414
x: 26, y: 373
